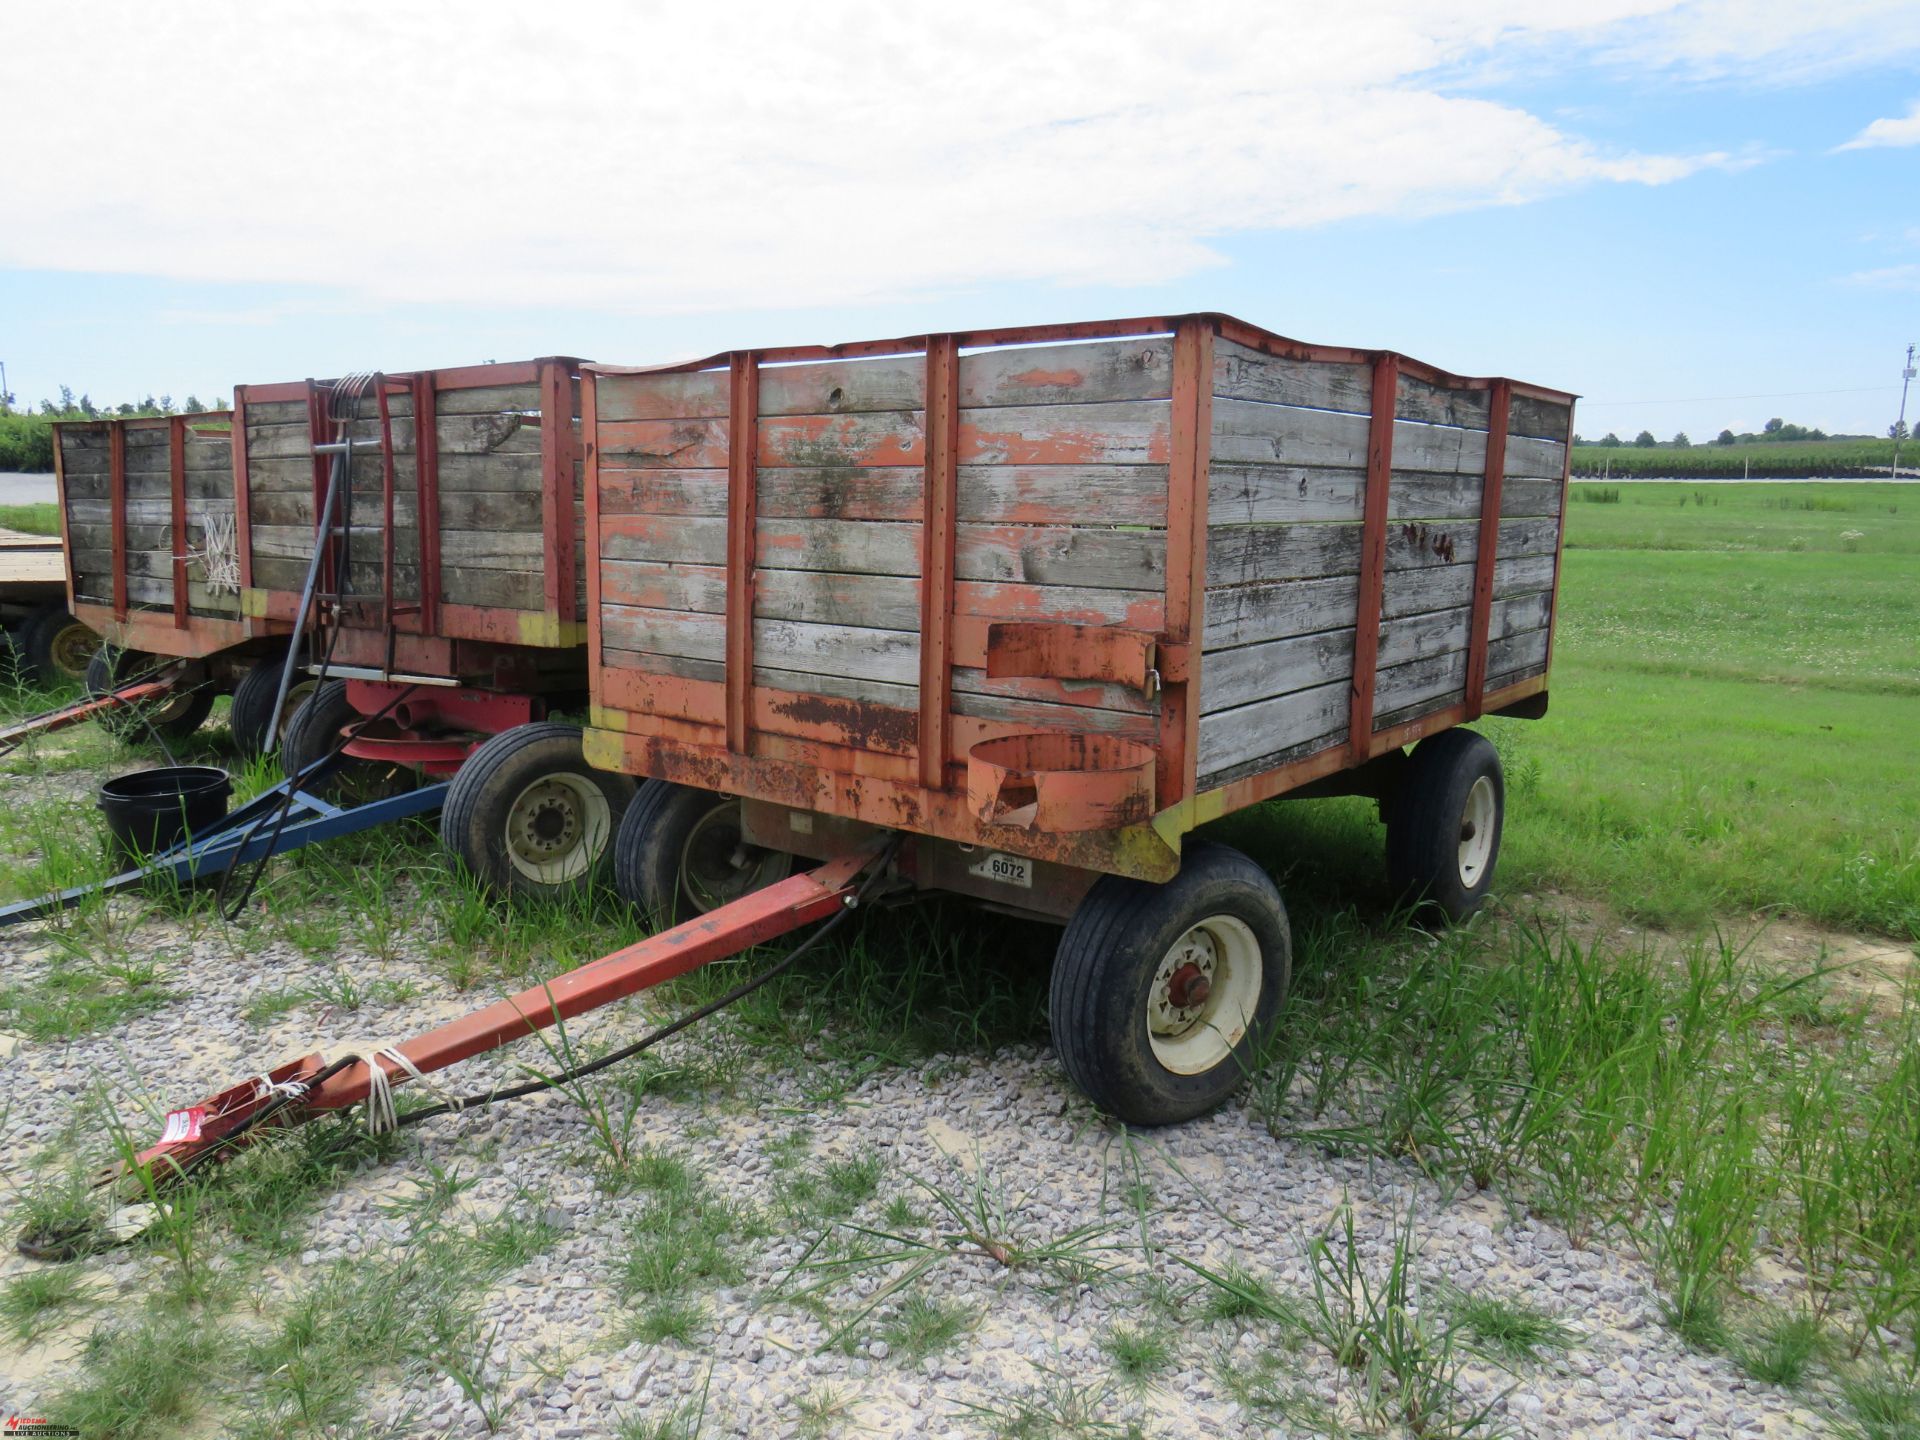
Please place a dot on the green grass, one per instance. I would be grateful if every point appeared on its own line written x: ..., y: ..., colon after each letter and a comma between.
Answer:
x: 1510, y: 1330
x: 1734, y: 700
x: 35, y: 1300
x: 40, y: 519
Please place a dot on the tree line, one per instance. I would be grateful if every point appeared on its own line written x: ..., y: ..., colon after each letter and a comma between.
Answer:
x: 1775, y: 429
x: 26, y: 436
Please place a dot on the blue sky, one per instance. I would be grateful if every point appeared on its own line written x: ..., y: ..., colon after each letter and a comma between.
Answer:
x: 1651, y: 203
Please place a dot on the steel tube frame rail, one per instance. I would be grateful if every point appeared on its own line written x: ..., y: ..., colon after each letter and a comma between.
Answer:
x: 222, y: 1123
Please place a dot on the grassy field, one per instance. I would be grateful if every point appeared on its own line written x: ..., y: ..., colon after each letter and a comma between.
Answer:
x: 1732, y: 735
x: 1735, y: 723
x: 1787, y: 459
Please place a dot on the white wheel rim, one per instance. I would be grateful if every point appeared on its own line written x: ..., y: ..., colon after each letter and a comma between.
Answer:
x: 557, y: 827
x: 1194, y: 1026
x: 1476, y: 832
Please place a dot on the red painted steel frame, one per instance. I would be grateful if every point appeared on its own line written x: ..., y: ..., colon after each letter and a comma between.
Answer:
x: 938, y: 529
x: 752, y: 920
x: 173, y: 630
x: 743, y: 444
x: 117, y: 515
x: 553, y: 379
x: 1178, y: 768
x: 177, y: 498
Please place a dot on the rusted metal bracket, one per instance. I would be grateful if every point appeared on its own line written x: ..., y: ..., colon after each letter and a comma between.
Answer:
x: 1060, y: 651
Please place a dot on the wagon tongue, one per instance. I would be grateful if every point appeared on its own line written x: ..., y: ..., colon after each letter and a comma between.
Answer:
x: 299, y: 1090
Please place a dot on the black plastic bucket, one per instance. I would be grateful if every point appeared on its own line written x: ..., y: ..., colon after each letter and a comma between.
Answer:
x: 154, y: 810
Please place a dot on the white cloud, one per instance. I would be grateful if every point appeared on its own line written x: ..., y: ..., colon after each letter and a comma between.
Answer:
x: 690, y: 157
x: 1891, y: 277
x: 1893, y: 131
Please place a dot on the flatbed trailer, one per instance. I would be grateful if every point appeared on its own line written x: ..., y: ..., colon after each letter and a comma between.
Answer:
x: 52, y: 646
x: 442, y: 606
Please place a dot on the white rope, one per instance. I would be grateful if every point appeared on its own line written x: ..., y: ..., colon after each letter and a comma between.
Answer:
x: 220, y: 559
x: 382, y: 1118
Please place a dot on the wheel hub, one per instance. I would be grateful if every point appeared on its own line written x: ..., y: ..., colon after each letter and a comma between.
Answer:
x: 73, y: 647
x: 718, y: 865
x: 1205, y: 992
x: 1476, y: 832
x: 556, y: 828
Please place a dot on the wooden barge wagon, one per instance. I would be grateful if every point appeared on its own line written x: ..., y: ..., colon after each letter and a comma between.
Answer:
x: 444, y: 603
x: 148, y: 517
x: 1044, y: 600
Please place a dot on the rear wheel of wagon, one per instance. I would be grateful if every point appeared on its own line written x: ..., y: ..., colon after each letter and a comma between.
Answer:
x: 253, y: 699
x: 56, y: 646
x: 529, y: 816
x: 173, y: 716
x: 1444, y: 824
x: 1163, y: 995
x: 313, y: 732
x: 680, y: 853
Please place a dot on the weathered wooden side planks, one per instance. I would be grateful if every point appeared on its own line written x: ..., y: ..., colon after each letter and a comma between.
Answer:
x: 146, y: 506
x: 1286, y: 490
x: 1058, y: 514
x: 505, y: 486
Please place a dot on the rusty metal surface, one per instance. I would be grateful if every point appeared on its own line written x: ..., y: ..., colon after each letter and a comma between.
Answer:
x: 934, y: 732
x: 1060, y: 782
x: 743, y: 452
x: 1059, y: 651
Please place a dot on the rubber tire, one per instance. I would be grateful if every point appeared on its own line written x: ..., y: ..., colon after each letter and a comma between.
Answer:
x: 252, y: 709
x: 313, y: 732
x: 40, y: 633
x: 1423, y: 824
x: 1104, y: 970
x: 649, y: 843
x: 105, y: 672
x: 473, y: 821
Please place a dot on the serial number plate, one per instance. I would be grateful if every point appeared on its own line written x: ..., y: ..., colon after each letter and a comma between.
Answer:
x: 1007, y: 869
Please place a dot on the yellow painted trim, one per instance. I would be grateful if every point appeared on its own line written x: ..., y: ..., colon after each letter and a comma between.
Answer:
x: 539, y: 628
x: 602, y: 749
x: 253, y: 603
x: 603, y: 719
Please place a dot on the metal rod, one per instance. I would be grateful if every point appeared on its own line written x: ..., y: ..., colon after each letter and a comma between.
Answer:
x: 323, y: 530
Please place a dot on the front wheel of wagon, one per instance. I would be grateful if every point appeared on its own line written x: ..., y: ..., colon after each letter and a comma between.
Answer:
x: 680, y: 853
x: 1163, y: 995
x: 1444, y: 824
x: 529, y: 816
x: 253, y: 699
x: 173, y: 716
